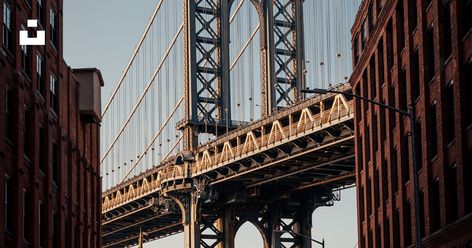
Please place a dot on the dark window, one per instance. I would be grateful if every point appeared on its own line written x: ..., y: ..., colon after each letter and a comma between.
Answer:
x: 418, y: 144
x: 363, y: 34
x: 367, y: 144
x: 394, y: 173
x: 400, y: 26
x: 55, y: 162
x: 407, y: 223
x: 384, y: 172
x: 429, y: 54
x: 436, y: 202
x: 406, y: 159
x: 376, y: 190
x: 468, y: 182
x: 53, y: 93
x: 374, y: 133
x: 373, y: 82
x: 414, y: 79
x: 467, y: 16
x: 413, y: 15
x: 447, y: 32
x: 43, y: 148
x: 402, y: 89
x: 361, y: 203
x: 468, y: 90
x: 380, y: 63
x: 26, y: 58
x: 26, y: 215
x: 450, y: 121
x: 386, y: 235
x: 392, y: 102
x: 377, y: 236
x: 27, y: 135
x: 396, y: 226
x: 356, y: 50
x: 55, y: 229
x: 53, y: 27
x: 40, y: 75
x: 7, y: 27
x: 9, y: 122
x: 421, y: 208
x: 390, y: 45
x: 383, y: 130
x: 40, y: 11
x: 451, y: 187
x: 42, y: 224
x: 433, y: 142
x: 8, y: 204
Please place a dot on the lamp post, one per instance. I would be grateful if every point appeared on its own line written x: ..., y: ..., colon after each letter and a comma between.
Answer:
x: 411, y: 117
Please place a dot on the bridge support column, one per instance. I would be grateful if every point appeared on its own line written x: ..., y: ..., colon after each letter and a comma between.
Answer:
x: 188, y: 203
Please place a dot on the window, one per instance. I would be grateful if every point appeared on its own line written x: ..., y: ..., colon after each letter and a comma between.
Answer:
x: 447, y: 32
x: 433, y: 142
x: 44, y: 143
x: 40, y: 75
x: 468, y: 91
x: 42, y: 224
x: 407, y: 223
x: 26, y: 216
x: 9, y: 122
x: 413, y: 15
x: 55, y: 229
x: 429, y: 54
x: 400, y: 26
x: 402, y: 89
x: 390, y: 45
x: 53, y: 26
x: 363, y: 34
x: 8, y: 204
x: 396, y: 227
x: 356, y: 50
x: 394, y: 168
x: 467, y: 16
x: 451, y: 187
x: 450, y: 121
x: 468, y: 182
x: 25, y: 56
x: 418, y: 144
x: 386, y: 233
x: 53, y: 92
x: 436, y: 215
x: 380, y: 63
x: 421, y: 208
x: 406, y: 159
x: 7, y: 32
x: 40, y: 11
x: 55, y: 162
x: 372, y: 82
x: 27, y: 133
x: 376, y: 187
x: 414, y: 78
x: 384, y: 172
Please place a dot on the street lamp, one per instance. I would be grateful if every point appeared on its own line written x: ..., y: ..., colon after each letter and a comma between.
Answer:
x: 410, y: 115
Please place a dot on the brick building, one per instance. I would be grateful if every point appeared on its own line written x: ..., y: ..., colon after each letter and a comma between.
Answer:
x: 50, y: 186
x: 414, y: 52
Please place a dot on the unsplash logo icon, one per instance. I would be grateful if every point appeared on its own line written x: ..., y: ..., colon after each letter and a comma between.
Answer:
x: 40, y: 38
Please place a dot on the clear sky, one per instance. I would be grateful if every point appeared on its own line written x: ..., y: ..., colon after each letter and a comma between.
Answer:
x: 103, y: 34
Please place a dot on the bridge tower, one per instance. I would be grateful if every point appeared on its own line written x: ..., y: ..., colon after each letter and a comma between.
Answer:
x: 207, y: 110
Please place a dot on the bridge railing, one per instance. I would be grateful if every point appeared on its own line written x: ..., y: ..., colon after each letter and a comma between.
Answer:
x: 258, y: 139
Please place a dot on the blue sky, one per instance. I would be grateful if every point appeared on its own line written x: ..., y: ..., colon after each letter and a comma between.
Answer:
x: 103, y: 34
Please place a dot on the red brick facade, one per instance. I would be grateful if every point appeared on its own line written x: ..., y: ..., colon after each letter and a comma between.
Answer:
x: 50, y: 186
x: 414, y: 52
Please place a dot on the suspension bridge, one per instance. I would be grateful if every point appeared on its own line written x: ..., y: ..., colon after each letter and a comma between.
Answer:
x: 207, y: 128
